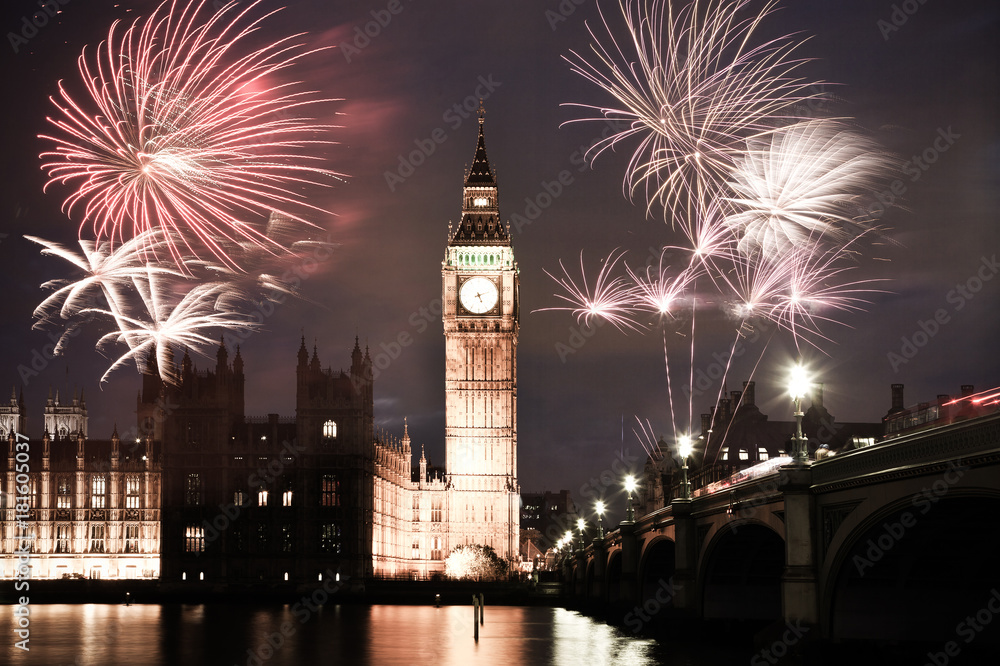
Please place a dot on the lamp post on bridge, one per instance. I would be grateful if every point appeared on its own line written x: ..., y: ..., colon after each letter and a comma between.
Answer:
x: 629, y: 509
x: 580, y: 525
x: 600, y: 519
x: 798, y: 386
x: 684, y: 449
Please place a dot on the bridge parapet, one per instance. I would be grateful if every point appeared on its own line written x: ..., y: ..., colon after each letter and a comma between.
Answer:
x: 972, y: 442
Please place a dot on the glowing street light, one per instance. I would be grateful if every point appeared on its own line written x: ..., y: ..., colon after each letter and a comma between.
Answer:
x: 798, y: 387
x: 600, y: 522
x: 581, y: 524
x: 629, y: 488
x: 684, y: 447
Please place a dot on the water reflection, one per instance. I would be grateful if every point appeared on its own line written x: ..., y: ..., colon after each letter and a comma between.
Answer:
x: 79, y: 635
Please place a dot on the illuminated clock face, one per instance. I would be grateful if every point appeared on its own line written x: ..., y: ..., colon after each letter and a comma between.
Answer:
x: 478, y: 295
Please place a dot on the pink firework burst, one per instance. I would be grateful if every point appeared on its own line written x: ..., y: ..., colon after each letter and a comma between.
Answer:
x: 183, y: 126
x: 610, y: 298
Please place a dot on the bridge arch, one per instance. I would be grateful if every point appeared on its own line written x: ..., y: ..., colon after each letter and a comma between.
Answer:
x: 915, y: 569
x: 613, y: 576
x: 588, y: 585
x: 656, y: 571
x: 740, y: 573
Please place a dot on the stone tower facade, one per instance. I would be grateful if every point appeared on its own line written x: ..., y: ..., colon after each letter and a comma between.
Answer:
x: 479, y: 295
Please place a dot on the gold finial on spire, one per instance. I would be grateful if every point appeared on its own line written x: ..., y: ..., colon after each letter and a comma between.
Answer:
x: 482, y: 111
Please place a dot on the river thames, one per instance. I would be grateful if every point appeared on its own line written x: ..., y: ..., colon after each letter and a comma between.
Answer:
x: 246, y: 635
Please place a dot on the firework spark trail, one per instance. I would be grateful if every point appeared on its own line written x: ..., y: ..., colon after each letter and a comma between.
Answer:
x: 792, y: 189
x: 178, y: 131
x: 694, y: 87
x: 108, y: 272
x: 167, y: 324
x: 648, y: 439
x: 610, y: 298
x: 753, y: 371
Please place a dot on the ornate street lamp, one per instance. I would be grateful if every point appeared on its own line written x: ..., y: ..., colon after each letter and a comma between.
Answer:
x: 798, y: 386
x: 580, y: 525
x: 684, y: 447
x: 629, y: 488
x: 600, y: 516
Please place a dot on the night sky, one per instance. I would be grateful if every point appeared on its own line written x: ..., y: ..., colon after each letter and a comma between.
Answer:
x: 934, y: 76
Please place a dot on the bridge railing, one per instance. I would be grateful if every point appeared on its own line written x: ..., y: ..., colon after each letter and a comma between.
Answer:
x: 963, y: 441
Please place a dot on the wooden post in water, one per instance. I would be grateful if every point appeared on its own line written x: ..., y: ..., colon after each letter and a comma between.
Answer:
x: 475, y: 617
x: 482, y: 608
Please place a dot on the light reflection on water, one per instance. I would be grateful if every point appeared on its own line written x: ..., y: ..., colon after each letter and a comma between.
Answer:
x: 64, y: 635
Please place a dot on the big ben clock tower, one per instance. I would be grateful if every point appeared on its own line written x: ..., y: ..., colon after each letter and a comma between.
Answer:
x: 479, y: 295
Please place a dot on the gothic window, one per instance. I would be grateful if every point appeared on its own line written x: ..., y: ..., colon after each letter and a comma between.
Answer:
x: 133, y: 500
x: 239, y: 497
x: 330, y: 490
x: 416, y: 508
x: 436, y: 511
x: 415, y: 554
x: 237, y: 537
x: 97, y: 538
x: 64, y: 497
x: 436, y: 548
x: 192, y: 490
x: 194, y: 539
x: 62, y: 538
x: 63, y: 432
x: 286, y: 498
x: 262, y: 497
x: 131, y: 538
x: 329, y: 538
x: 26, y: 536
x: 98, y: 488
x: 330, y: 430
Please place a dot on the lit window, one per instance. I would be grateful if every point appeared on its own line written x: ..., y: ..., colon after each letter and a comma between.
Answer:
x: 330, y: 495
x: 194, y: 539
x: 98, y: 488
x: 763, y: 454
x: 480, y: 201
x: 192, y: 491
x: 239, y: 498
x: 725, y: 453
x: 744, y: 454
x: 330, y: 430
x: 131, y: 538
x: 64, y: 496
x: 132, y: 497
x: 262, y: 497
x: 436, y: 511
x: 62, y: 538
x: 97, y: 538
x: 329, y: 538
x: 286, y: 498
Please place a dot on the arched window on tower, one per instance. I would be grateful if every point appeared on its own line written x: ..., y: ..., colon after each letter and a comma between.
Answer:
x: 330, y: 430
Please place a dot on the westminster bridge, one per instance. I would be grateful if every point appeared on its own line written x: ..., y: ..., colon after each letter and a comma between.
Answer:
x: 895, y: 541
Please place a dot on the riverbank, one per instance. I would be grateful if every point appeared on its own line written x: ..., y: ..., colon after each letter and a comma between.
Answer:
x: 372, y: 591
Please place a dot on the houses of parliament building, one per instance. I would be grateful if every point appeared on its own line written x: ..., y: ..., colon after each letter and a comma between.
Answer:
x: 199, y: 491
